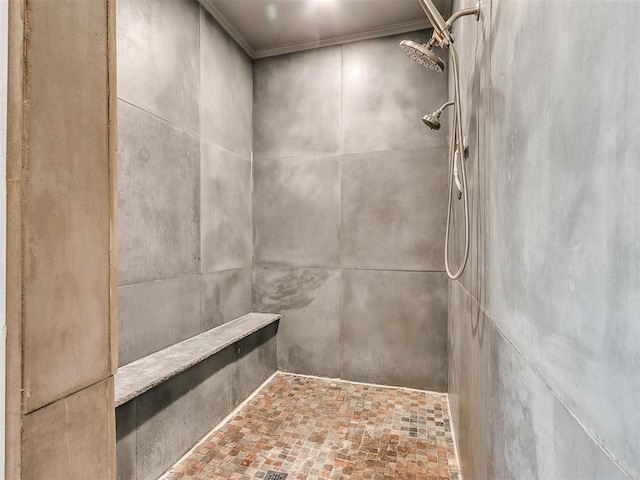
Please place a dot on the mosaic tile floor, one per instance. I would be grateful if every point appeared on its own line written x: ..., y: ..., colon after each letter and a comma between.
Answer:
x: 312, y: 428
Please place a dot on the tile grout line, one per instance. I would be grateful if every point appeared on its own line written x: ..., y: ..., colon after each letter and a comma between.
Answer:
x: 536, y: 371
x: 201, y: 160
x: 158, y: 117
x: 199, y: 136
x: 341, y: 166
x: 341, y: 152
x: 376, y: 385
x: 296, y: 267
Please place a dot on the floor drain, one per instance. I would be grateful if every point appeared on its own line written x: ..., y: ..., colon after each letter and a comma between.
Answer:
x: 271, y: 475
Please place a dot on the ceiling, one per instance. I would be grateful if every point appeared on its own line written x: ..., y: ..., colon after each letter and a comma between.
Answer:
x: 272, y: 27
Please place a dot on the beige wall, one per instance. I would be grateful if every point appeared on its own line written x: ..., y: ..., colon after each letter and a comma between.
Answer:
x: 4, y: 49
x: 61, y: 152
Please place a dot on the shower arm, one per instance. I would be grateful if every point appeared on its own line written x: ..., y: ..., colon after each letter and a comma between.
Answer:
x: 442, y: 35
x: 463, y: 13
x: 445, y: 106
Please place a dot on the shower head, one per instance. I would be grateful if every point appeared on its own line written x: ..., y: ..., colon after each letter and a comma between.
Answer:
x: 423, y: 54
x: 432, y: 120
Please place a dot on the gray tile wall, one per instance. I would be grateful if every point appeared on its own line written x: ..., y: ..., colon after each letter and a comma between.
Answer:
x: 349, y: 209
x: 184, y: 175
x: 544, y: 337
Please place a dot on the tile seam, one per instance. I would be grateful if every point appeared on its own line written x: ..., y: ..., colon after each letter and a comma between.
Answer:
x: 296, y: 267
x: 158, y: 117
x: 537, y: 373
x: 202, y: 274
x: 340, y: 152
x: 66, y: 396
x: 353, y: 382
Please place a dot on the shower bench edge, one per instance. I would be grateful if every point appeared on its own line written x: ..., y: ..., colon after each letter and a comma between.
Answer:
x: 135, y: 378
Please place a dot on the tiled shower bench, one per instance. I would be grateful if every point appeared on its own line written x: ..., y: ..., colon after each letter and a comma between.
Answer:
x: 167, y: 401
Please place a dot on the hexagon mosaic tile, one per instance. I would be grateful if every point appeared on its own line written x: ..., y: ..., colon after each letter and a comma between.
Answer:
x: 312, y: 428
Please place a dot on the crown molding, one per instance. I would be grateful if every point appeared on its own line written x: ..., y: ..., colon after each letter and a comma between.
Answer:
x: 368, y: 35
x: 230, y: 29
x: 298, y: 47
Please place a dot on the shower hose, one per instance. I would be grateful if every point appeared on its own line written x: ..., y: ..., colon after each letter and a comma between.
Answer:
x: 457, y: 164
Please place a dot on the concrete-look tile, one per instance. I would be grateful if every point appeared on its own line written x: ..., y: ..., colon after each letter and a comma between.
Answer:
x: 256, y: 359
x: 226, y: 91
x: 394, y: 328
x: 473, y: 278
x: 473, y: 49
x: 532, y: 434
x: 158, y: 198
x: 394, y: 210
x: 296, y: 212
x: 225, y: 209
x: 297, y: 104
x: 309, y: 331
x: 173, y: 416
x: 154, y: 315
x: 558, y: 236
x: 576, y: 455
x: 70, y: 438
x: 126, y: 425
x: 513, y: 453
x: 225, y: 296
x: 469, y: 381
x: 158, y: 58
x: 385, y: 94
x: 564, y: 222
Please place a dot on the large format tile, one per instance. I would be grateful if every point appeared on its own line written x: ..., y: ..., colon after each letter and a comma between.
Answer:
x: 474, y: 50
x: 154, y: 315
x: 474, y: 277
x: 126, y: 428
x: 225, y: 296
x: 309, y: 330
x: 532, y: 434
x: 71, y: 438
x: 173, y: 416
x: 564, y: 226
x: 395, y: 328
x: 256, y: 360
x: 385, y: 94
x: 296, y: 212
x: 508, y: 423
x: 469, y: 386
x: 226, y: 91
x: 158, y: 58
x: 158, y: 198
x: 297, y: 104
x: 394, y: 210
x: 226, y: 209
